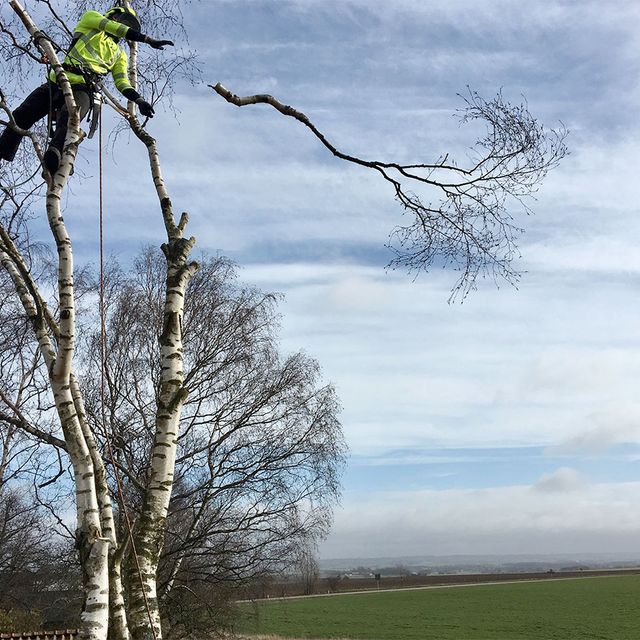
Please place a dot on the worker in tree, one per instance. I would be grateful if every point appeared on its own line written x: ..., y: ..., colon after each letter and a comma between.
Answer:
x: 94, y: 51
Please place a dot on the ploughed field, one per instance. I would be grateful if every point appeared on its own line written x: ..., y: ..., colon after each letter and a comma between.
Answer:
x: 602, y: 608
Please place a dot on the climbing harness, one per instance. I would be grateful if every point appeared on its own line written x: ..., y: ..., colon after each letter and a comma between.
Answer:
x: 94, y: 87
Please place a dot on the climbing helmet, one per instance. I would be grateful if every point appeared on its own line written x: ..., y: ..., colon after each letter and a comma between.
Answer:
x: 124, y: 15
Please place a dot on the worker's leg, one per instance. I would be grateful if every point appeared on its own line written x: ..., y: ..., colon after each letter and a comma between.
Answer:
x: 35, y: 107
x: 83, y: 102
x: 53, y: 154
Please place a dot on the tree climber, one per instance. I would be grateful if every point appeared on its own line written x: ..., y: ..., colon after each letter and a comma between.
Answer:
x: 94, y: 51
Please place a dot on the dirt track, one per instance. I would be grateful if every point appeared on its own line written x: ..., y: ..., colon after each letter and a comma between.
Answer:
x: 365, y: 585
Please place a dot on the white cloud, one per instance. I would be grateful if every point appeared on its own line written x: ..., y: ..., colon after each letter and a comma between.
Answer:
x: 527, y: 367
x: 580, y: 371
x: 503, y: 520
x: 595, y: 254
x: 600, y: 431
x: 560, y: 481
x: 361, y: 294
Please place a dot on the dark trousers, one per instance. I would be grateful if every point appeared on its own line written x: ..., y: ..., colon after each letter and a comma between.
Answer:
x: 46, y: 98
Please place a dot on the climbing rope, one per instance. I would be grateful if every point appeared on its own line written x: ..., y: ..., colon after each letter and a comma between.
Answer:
x: 103, y: 360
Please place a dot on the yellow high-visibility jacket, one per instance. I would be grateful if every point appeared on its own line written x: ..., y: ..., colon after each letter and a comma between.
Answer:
x: 96, y: 52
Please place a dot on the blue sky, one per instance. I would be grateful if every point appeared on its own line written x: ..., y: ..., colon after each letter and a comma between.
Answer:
x: 508, y: 424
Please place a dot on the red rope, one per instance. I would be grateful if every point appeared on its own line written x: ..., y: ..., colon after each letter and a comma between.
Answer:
x: 103, y: 360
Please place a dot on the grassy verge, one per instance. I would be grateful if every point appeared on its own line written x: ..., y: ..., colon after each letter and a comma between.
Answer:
x: 582, y: 609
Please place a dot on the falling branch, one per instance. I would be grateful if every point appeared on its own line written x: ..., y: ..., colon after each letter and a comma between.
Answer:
x: 469, y: 227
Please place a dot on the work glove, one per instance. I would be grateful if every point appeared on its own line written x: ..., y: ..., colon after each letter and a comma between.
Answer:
x: 158, y: 44
x: 145, y: 108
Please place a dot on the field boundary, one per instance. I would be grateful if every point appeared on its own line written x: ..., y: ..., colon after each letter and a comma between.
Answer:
x: 475, y: 583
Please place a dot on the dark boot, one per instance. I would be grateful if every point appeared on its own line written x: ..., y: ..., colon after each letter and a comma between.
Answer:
x: 9, y: 142
x: 52, y: 159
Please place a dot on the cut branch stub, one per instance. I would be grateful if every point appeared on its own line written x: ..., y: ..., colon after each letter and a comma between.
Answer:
x: 463, y: 221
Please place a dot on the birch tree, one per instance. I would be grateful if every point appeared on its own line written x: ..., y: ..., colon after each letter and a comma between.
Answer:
x: 100, y: 551
x: 193, y: 399
x: 259, y: 449
x: 111, y: 562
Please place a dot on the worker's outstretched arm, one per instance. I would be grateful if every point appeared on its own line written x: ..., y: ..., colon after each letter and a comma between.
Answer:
x: 136, y: 36
x: 120, y: 73
x: 92, y: 20
x: 95, y: 20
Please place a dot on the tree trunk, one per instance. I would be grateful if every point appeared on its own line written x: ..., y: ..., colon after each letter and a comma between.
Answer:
x: 151, y: 525
x: 150, y: 529
x: 92, y: 546
x: 118, y: 625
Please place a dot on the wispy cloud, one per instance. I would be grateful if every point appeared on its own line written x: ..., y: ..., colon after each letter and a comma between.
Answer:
x: 600, y: 431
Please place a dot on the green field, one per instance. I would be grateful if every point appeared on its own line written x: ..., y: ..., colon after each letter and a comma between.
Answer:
x: 581, y: 609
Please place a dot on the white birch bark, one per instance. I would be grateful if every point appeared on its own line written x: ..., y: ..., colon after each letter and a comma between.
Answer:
x: 92, y: 544
x: 118, y: 622
x: 96, y: 534
x: 151, y: 524
x: 118, y: 627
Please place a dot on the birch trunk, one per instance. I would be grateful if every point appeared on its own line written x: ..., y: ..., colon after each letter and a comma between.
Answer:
x: 91, y: 508
x: 101, y: 558
x: 151, y: 525
x: 118, y: 620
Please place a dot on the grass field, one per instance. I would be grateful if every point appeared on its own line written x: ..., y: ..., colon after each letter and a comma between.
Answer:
x: 581, y: 609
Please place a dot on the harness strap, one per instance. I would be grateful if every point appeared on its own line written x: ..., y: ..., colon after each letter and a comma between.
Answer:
x: 90, y: 77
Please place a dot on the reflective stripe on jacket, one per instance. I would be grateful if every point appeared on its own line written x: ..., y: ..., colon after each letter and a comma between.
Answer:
x: 96, y: 52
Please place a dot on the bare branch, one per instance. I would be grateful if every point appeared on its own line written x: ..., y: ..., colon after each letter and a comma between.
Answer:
x: 467, y: 226
x: 16, y: 45
x: 18, y: 420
